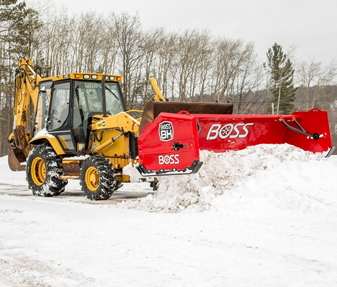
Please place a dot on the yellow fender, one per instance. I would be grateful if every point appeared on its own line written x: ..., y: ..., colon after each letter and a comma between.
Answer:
x: 48, y: 139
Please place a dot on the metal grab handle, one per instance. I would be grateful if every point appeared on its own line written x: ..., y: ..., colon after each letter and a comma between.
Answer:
x: 302, y: 131
x: 176, y: 146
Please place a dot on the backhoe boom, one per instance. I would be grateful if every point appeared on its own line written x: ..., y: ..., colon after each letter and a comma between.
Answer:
x: 26, y: 90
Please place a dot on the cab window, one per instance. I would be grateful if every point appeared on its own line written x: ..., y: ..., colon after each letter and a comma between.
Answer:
x: 59, y: 110
x: 114, y: 104
x: 42, y: 106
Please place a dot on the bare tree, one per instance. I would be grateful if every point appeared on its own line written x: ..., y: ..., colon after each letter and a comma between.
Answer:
x: 151, y: 44
x: 314, y: 78
x: 129, y: 39
x: 166, y: 55
x: 206, y: 63
x: 307, y: 75
x: 227, y: 61
x: 109, y: 49
x: 246, y: 75
x: 187, y: 49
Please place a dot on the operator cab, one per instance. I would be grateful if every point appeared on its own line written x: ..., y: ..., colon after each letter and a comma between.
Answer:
x: 66, y: 106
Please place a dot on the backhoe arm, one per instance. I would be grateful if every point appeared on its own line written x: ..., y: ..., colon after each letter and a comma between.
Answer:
x: 26, y: 89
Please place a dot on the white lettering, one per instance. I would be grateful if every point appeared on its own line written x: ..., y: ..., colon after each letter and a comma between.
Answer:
x: 245, y: 130
x: 237, y: 131
x: 213, y: 132
x: 225, y: 131
x: 166, y: 134
x: 228, y: 130
x: 169, y: 159
x: 166, y: 131
x: 165, y: 126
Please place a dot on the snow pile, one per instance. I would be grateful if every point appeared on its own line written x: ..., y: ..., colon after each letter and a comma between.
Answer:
x: 228, y: 179
x: 9, y: 177
x: 131, y: 171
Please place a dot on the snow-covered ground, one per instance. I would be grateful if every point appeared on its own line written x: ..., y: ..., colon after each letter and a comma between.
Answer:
x: 264, y: 216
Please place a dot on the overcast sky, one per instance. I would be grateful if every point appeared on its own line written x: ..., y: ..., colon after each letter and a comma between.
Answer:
x: 310, y: 25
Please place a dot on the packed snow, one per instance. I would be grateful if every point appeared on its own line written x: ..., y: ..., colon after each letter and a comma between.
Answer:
x: 263, y: 216
x: 251, y: 172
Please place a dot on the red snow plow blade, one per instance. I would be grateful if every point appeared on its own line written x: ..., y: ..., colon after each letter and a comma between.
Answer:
x: 170, y: 144
x: 309, y: 131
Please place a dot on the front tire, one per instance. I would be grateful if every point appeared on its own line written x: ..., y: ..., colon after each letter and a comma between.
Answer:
x: 43, y: 171
x: 97, y: 178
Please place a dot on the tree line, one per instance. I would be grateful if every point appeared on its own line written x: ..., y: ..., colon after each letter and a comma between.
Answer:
x: 189, y: 65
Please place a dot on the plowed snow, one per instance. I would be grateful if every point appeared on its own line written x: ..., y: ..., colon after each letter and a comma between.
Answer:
x: 280, y: 175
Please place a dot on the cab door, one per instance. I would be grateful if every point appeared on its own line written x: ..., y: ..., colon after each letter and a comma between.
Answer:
x: 41, y: 115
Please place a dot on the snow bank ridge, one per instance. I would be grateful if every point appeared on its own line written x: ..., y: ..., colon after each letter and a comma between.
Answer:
x: 228, y: 173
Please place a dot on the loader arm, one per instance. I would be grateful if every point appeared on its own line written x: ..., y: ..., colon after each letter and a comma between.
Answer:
x: 158, y: 96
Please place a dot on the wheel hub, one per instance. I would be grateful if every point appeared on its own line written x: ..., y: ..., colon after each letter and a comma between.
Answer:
x: 92, y: 178
x: 38, y: 171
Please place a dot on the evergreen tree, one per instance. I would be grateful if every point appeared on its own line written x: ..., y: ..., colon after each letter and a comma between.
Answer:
x: 17, y: 27
x: 22, y: 24
x: 281, y: 80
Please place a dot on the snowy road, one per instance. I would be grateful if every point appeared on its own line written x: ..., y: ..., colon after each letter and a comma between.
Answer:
x: 48, y: 243
x: 254, y: 235
x: 74, y: 194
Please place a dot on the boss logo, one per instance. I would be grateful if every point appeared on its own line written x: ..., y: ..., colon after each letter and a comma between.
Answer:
x: 166, y: 131
x: 169, y: 159
x: 228, y: 131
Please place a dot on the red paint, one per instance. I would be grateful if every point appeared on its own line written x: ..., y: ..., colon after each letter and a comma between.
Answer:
x: 157, y: 153
x: 220, y: 133
x: 265, y: 129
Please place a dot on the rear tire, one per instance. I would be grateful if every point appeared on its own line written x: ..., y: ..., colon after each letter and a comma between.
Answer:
x: 97, y: 178
x: 43, y: 171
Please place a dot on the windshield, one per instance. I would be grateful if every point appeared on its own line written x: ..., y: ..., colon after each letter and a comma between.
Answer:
x: 114, y: 105
x: 88, y: 98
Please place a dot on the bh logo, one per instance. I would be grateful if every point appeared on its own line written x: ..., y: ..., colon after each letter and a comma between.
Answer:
x: 166, y: 131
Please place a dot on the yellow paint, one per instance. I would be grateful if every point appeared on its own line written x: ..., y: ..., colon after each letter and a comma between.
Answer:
x: 159, y: 96
x: 135, y: 111
x: 92, y: 77
x: 69, y: 177
x: 101, y: 125
x: 11, y: 136
x: 92, y: 178
x: 38, y: 171
x: 119, y: 163
x: 53, y: 142
x: 104, y: 145
x: 123, y: 121
x: 117, y: 151
x: 122, y: 178
x: 71, y: 161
